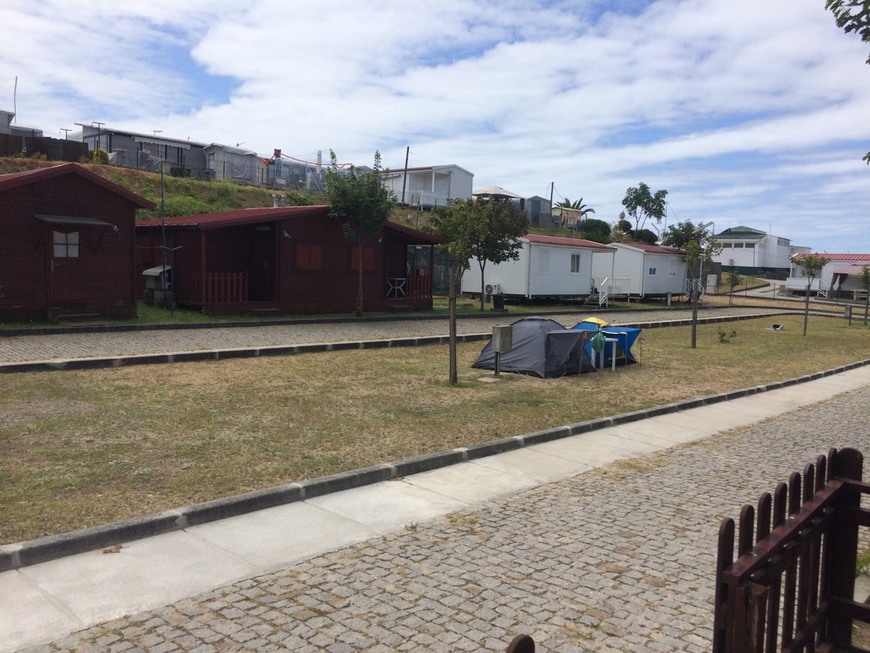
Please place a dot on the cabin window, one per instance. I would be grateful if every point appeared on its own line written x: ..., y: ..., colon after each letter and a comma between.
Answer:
x: 309, y: 257
x: 652, y: 272
x: 368, y: 258
x: 66, y: 245
x: 544, y: 261
x: 575, y: 263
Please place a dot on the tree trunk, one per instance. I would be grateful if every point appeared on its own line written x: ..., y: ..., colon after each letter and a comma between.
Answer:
x: 482, y: 286
x: 807, y: 306
x: 451, y: 303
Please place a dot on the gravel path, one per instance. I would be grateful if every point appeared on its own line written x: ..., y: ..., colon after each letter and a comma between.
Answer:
x: 66, y: 346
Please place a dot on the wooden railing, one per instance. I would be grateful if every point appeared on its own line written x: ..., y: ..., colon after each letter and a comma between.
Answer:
x: 791, y: 587
x: 409, y: 288
x: 219, y: 288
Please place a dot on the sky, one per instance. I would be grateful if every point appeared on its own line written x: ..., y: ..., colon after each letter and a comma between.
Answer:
x: 749, y: 113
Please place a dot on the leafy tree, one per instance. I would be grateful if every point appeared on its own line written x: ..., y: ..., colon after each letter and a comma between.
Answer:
x: 681, y: 234
x: 643, y: 205
x: 644, y: 236
x: 699, y: 252
x: 486, y: 229
x: 483, y: 229
x: 811, y: 265
x: 734, y: 280
x: 597, y: 231
x: 361, y: 201
x: 852, y: 16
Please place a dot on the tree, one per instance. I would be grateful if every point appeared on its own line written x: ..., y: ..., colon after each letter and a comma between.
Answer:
x: 483, y: 229
x: 597, y: 231
x: 643, y: 205
x: 699, y: 251
x: 681, y: 234
x: 644, y: 236
x: 474, y: 228
x: 361, y: 201
x: 811, y: 265
x: 577, y: 205
x: 734, y: 280
x: 852, y: 16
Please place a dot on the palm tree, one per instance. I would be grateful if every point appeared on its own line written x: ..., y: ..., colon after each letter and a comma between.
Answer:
x: 577, y: 206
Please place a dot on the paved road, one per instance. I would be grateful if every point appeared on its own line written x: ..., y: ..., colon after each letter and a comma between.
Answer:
x: 616, y: 559
x: 131, y: 343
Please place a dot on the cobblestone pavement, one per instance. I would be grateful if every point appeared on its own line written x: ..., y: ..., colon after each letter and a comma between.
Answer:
x: 65, y: 346
x: 617, y: 559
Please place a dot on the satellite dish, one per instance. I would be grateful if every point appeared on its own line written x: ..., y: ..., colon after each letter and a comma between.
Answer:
x: 622, y: 215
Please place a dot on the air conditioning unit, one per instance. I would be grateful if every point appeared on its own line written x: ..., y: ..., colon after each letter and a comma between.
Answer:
x: 492, y: 289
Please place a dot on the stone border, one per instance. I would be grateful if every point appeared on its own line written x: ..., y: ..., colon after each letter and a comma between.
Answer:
x: 31, y: 552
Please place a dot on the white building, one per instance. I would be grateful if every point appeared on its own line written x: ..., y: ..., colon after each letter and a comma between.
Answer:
x: 641, y: 270
x: 429, y: 187
x: 839, y: 278
x: 754, y: 252
x: 548, y: 266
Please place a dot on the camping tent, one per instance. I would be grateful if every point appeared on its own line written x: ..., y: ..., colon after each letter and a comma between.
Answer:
x: 541, y: 347
x: 624, y: 336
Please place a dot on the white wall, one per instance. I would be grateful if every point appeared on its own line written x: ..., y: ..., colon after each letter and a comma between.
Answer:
x: 543, y: 270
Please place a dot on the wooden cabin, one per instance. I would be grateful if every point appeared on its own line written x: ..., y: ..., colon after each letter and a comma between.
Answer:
x: 291, y: 260
x: 66, y: 245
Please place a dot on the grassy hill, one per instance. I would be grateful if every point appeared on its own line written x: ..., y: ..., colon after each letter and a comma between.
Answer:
x: 180, y: 196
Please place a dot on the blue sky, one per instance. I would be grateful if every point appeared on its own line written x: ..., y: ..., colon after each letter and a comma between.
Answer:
x: 748, y: 113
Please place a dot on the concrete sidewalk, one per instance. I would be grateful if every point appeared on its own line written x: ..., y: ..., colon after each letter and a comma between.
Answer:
x: 45, y: 602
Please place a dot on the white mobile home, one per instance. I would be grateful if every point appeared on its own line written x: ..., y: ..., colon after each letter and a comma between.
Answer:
x: 548, y: 266
x: 841, y: 277
x: 641, y: 270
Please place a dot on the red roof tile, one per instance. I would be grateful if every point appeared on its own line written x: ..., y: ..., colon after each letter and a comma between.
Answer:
x: 567, y: 242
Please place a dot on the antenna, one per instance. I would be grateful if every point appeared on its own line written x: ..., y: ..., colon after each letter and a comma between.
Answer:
x: 15, y: 100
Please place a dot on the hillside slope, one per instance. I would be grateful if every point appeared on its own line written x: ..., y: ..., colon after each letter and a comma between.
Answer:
x: 180, y: 196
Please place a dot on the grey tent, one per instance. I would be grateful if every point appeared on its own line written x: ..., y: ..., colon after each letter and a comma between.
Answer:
x: 541, y: 347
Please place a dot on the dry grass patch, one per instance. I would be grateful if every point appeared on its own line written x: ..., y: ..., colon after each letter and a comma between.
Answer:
x: 88, y: 447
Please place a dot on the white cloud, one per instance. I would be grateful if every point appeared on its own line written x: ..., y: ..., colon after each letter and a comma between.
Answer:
x: 746, y: 111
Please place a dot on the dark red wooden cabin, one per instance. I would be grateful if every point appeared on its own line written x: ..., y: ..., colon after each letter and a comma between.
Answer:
x: 293, y: 259
x: 67, y: 241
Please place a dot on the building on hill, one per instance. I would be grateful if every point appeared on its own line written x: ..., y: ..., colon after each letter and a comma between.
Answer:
x: 17, y: 140
x: 753, y: 252
x: 285, y: 259
x: 429, y: 187
x: 66, y: 245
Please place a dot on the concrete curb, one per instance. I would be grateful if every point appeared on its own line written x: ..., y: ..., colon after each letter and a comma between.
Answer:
x: 23, y: 554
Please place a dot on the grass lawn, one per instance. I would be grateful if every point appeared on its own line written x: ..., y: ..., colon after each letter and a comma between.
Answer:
x: 83, y: 448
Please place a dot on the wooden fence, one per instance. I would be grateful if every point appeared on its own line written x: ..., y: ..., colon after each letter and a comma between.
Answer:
x: 219, y: 288
x: 791, y: 586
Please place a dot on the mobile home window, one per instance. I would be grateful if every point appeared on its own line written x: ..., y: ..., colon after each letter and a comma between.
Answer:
x: 575, y: 263
x: 544, y: 261
x: 66, y: 245
x: 652, y: 272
